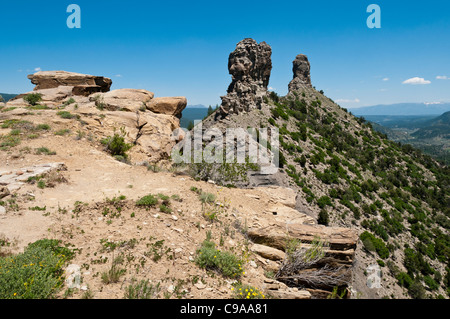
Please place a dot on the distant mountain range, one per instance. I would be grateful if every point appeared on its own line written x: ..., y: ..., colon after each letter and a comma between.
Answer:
x: 197, y: 106
x: 7, y: 96
x: 191, y: 114
x: 403, y: 109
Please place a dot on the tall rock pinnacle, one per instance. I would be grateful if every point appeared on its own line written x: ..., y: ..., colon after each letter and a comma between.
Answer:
x: 302, y: 75
x: 250, y: 66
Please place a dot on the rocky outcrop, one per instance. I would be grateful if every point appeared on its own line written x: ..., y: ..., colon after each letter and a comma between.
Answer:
x: 50, y: 97
x: 274, y: 230
x: 302, y: 74
x: 250, y: 66
x: 151, y: 124
x: 275, y: 235
x: 279, y: 290
x: 333, y: 268
x: 168, y: 105
x: 83, y: 84
x: 13, y: 180
x: 129, y: 100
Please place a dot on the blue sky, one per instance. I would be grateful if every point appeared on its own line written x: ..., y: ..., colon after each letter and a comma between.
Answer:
x: 181, y: 48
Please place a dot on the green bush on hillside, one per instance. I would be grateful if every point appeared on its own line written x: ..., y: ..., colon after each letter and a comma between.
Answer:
x: 33, y: 98
x: 36, y: 273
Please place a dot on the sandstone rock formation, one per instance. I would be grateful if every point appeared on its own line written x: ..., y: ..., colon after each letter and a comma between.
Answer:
x: 151, y: 124
x: 129, y: 100
x: 250, y: 66
x: 272, y: 232
x: 302, y: 75
x: 168, y: 105
x: 83, y: 84
x: 50, y: 97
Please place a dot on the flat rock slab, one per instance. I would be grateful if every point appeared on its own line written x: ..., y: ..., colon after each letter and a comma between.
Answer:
x: 338, y: 238
x: 15, y: 179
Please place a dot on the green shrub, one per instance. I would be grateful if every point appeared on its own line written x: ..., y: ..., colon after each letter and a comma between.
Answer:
x: 67, y: 115
x: 165, y: 209
x: 207, y: 197
x: 142, y: 290
x: 43, y: 127
x: 37, y: 107
x: 33, y: 98
x: 8, y: 141
x: 323, y: 218
x: 404, y: 279
x: 62, y: 132
x: 116, y: 144
x: 226, y: 263
x: 147, y: 201
x: 324, y: 201
x: 371, y: 243
x: 114, y: 272
x: 36, y: 273
x: 45, y: 151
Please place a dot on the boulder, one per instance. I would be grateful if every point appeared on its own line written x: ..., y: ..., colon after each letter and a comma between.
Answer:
x: 50, y: 97
x: 152, y: 132
x: 268, y: 252
x: 83, y: 84
x: 279, y: 290
x: 250, y: 66
x: 168, y: 105
x: 3, y: 192
x: 129, y: 100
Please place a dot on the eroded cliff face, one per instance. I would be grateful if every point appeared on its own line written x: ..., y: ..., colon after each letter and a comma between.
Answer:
x: 250, y: 66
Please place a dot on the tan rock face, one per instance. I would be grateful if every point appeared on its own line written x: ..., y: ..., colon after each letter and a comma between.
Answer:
x: 268, y: 252
x: 83, y: 84
x: 103, y: 112
x: 156, y: 138
x: 168, y: 105
x: 129, y: 100
x: 338, y: 238
x: 50, y: 97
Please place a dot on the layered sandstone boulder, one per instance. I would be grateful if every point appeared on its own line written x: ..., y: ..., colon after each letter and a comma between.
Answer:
x: 83, y: 84
x: 168, y: 105
x: 129, y: 100
x: 50, y: 97
x: 151, y: 124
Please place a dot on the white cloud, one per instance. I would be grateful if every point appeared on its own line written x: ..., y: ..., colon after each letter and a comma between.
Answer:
x: 416, y: 81
x: 271, y: 88
x: 119, y: 75
x: 37, y: 69
x: 442, y: 77
x: 347, y: 101
x: 386, y: 79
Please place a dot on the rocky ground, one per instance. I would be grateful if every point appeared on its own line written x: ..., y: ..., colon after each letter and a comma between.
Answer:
x: 77, y: 207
